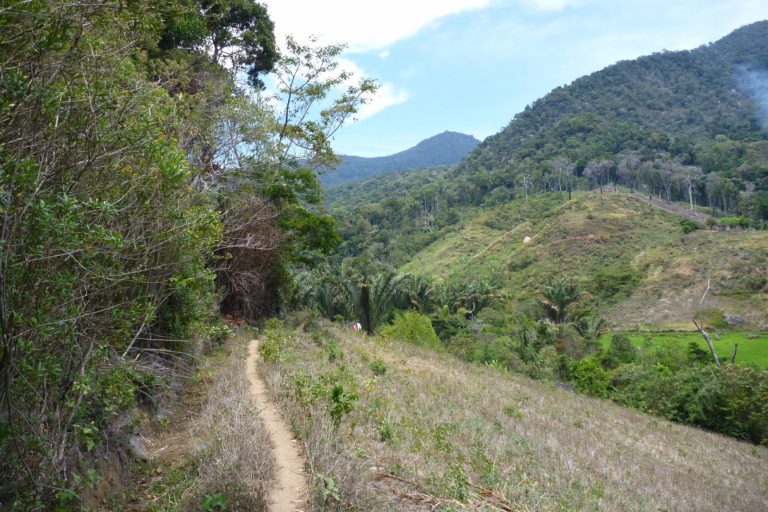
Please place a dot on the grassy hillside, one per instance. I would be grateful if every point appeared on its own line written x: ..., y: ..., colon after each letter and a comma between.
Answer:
x: 423, y: 431
x: 641, y: 269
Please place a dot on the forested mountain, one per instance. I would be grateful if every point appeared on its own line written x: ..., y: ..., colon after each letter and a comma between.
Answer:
x: 687, y: 124
x: 670, y: 127
x: 683, y: 126
x: 446, y: 148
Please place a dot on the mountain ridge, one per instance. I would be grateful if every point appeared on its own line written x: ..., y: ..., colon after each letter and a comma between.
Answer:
x: 446, y: 148
x: 680, y: 128
x: 652, y: 102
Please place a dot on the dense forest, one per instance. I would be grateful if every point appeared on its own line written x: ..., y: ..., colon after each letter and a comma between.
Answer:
x: 147, y: 180
x: 686, y: 125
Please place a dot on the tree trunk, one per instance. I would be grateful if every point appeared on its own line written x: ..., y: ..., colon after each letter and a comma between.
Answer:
x: 700, y: 328
x: 690, y: 194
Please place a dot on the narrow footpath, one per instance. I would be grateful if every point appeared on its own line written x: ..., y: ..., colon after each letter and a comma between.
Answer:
x: 290, y: 492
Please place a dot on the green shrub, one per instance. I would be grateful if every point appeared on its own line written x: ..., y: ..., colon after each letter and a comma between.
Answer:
x: 590, y: 377
x: 386, y: 431
x: 340, y: 403
x: 743, y: 407
x: 732, y: 400
x: 697, y: 354
x: 613, y: 281
x: 213, y: 502
x: 332, y: 350
x: 689, y: 226
x: 274, y: 341
x: 742, y: 222
x: 414, y: 328
x: 306, y: 389
x: 622, y: 349
x: 378, y: 367
x: 218, y: 334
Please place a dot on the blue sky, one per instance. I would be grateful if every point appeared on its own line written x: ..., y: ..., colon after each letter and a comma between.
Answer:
x: 471, y: 65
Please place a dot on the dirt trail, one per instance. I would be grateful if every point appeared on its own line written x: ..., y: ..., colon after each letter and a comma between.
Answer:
x: 290, y: 491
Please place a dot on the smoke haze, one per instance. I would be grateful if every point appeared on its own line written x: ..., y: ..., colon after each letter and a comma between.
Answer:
x: 754, y: 84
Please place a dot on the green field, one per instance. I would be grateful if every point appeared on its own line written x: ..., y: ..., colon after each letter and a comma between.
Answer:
x: 753, y: 347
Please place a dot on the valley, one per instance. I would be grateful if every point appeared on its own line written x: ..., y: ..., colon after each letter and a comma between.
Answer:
x: 204, y: 307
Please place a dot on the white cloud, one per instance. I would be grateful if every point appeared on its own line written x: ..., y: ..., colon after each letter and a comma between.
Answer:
x: 387, y: 94
x: 363, y: 26
x: 551, y: 5
x: 384, y: 54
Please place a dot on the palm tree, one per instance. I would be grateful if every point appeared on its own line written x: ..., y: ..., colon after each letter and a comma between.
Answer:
x: 319, y: 289
x: 417, y: 292
x: 591, y: 329
x: 448, y: 297
x: 326, y: 299
x: 480, y: 294
x: 557, y: 297
x: 370, y: 296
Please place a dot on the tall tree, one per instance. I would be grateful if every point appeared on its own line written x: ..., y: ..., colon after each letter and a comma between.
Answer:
x: 689, y: 176
x: 564, y: 167
x: 272, y: 145
x: 236, y: 34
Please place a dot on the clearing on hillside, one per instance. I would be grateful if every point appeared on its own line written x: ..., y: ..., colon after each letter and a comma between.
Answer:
x: 390, y: 426
x: 643, y: 272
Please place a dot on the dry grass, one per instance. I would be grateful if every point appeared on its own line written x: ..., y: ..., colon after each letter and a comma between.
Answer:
x: 215, y: 444
x: 436, y: 433
x: 676, y: 276
x: 336, y: 477
x: 234, y: 455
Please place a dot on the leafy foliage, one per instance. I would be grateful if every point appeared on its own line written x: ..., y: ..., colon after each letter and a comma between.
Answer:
x: 412, y: 327
x: 371, y: 295
x: 136, y: 174
x: 557, y: 299
x: 105, y: 242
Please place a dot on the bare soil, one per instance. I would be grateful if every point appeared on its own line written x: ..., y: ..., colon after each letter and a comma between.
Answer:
x: 290, y: 491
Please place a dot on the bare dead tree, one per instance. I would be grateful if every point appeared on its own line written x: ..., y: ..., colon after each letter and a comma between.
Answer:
x: 564, y: 166
x: 700, y: 327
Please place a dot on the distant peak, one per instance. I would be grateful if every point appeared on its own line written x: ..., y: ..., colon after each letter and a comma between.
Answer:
x: 446, y: 148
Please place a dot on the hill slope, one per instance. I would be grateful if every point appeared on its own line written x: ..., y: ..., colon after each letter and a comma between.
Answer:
x: 650, y: 103
x: 446, y: 148
x: 424, y: 431
x: 642, y: 271
x: 678, y: 126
